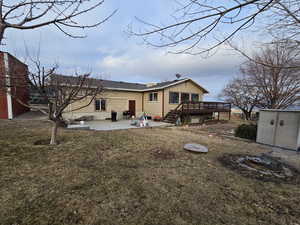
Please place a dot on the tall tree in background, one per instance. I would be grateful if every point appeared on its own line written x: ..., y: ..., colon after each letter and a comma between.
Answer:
x: 275, y: 73
x: 65, y: 15
x: 269, y: 80
x: 200, y: 26
x: 239, y: 93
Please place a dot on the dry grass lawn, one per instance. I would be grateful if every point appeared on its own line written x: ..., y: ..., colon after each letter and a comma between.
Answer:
x: 138, y: 176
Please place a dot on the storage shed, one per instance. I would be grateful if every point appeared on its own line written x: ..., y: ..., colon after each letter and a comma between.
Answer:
x: 279, y: 128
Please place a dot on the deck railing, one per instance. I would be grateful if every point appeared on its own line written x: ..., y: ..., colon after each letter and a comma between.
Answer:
x: 194, y: 107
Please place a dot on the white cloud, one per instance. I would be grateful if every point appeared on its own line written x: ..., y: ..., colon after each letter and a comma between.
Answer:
x: 106, y: 50
x: 156, y: 64
x: 140, y: 64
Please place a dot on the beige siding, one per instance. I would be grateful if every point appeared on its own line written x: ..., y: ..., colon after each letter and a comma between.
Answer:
x: 186, y: 87
x: 153, y: 108
x: 115, y: 100
x: 119, y: 102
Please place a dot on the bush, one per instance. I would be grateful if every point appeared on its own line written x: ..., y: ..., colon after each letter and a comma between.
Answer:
x: 247, y: 131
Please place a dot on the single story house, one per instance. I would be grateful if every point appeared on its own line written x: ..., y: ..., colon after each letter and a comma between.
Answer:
x: 154, y: 99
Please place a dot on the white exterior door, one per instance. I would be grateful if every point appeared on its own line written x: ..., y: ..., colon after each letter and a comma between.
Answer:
x: 266, y: 127
x: 287, y: 130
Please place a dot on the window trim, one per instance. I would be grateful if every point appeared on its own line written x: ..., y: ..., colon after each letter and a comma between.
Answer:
x: 186, y: 94
x: 153, y: 94
x: 175, y: 103
x: 100, y: 105
x: 195, y: 94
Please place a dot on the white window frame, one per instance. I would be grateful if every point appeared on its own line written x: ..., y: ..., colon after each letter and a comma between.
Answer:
x: 175, y: 103
x: 100, y: 105
x: 153, y: 94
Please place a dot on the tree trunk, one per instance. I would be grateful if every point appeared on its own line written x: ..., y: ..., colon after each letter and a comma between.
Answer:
x: 247, y: 114
x: 2, y: 28
x: 54, y: 133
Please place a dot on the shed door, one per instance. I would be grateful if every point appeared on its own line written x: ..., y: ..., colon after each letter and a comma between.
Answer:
x: 132, y: 107
x: 287, y: 130
x: 266, y: 127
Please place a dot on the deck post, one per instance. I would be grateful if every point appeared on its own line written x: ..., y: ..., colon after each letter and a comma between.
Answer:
x: 218, y: 115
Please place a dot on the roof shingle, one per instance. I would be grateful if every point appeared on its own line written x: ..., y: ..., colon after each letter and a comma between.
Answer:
x: 120, y: 85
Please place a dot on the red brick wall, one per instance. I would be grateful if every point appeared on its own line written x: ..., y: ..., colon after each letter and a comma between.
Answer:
x: 18, y: 72
x: 3, y: 99
x: 3, y: 107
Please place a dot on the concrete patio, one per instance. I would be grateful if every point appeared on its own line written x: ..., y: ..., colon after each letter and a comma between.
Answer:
x: 120, y: 125
x: 32, y: 115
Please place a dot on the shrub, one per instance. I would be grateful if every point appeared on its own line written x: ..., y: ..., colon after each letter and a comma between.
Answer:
x: 247, y: 131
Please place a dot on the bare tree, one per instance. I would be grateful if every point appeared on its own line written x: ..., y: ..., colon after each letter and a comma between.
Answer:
x: 292, y: 46
x: 56, y: 91
x: 65, y: 15
x: 241, y: 95
x: 273, y: 73
x: 197, y: 23
x: 285, y: 22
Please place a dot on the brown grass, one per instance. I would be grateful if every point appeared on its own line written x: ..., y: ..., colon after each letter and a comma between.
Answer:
x: 139, y: 176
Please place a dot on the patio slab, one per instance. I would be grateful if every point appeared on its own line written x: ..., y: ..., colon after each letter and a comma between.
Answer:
x: 31, y: 115
x: 120, y: 125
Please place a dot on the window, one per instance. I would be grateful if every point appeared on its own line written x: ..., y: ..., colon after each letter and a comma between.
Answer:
x: 153, y: 97
x: 103, y: 104
x: 173, y: 97
x: 97, y: 105
x: 185, y: 97
x: 100, y: 104
x: 195, y: 97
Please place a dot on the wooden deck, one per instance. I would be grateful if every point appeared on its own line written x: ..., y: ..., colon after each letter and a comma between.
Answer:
x: 198, y: 108
x: 186, y: 109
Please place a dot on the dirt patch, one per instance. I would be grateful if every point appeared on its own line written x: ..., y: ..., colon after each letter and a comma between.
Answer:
x: 162, y: 153
x: 261, y: 168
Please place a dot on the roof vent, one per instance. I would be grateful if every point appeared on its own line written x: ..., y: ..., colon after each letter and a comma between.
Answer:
x: 151, y: 84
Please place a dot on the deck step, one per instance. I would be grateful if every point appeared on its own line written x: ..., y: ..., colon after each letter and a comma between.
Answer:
x: 171, y: 116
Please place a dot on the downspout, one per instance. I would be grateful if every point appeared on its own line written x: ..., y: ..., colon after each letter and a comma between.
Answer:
x: 163, y: 103
x: 8, y: 83
x: 143, y: 102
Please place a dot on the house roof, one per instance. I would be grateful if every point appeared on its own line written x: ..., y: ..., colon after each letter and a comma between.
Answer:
x: 126, y: 86
x: 167, y: 84
x: 122, y: 85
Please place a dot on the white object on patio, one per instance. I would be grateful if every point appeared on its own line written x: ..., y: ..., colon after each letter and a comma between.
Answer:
x: 144, y: 122
x: 141, y: 122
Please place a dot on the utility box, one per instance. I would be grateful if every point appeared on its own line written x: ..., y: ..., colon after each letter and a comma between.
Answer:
x: 279, y: 128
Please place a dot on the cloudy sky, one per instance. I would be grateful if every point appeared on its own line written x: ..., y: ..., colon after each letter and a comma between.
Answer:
x: 109, y: 52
